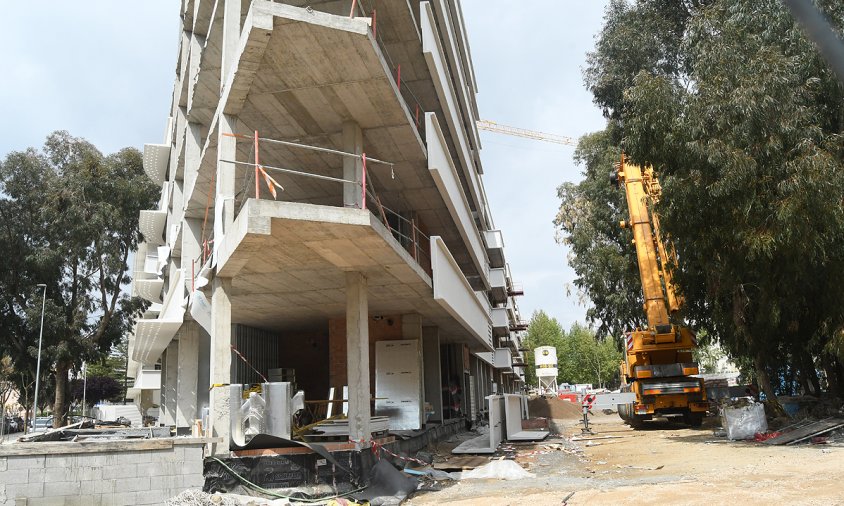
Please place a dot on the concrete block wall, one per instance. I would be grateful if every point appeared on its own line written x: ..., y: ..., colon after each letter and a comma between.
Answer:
x: 102, y: 479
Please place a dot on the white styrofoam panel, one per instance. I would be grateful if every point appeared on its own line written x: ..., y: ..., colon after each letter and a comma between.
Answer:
x: 398, y: 383
x: 149, y: 289
x: 151, y: 224
x: 156, y: 159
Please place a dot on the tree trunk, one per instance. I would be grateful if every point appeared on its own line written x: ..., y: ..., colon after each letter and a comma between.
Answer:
x: 762, y: 377
x: 60, y: 405
x: 832, y: 370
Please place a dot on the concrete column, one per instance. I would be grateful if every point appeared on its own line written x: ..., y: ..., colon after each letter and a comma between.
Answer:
x: 352, y: 167
x: 221, y: 363
x: 224, y: 201
x: 170, y: 373
x: 432, y: 373
x: 231, y: 36
x: 357, y: 358
x: 186, y: 389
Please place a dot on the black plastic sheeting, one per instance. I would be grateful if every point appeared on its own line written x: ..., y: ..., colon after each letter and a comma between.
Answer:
x: 283, y: 472
x: 387, y: 485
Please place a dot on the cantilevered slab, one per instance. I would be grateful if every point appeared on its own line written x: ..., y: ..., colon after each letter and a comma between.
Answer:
x: 288, y: 261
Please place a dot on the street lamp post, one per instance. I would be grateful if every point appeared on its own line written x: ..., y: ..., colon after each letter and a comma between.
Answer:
x: 38, y: 366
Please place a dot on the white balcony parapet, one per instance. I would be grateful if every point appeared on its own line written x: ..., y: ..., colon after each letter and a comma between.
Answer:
x: 445, y: 175
x: 455, y: 295
x: 438, y: 67
x: 156, y: 160
x: 500, y: 322
x: 485, y: 356
x: 502, y: 359
x: 151, y: 224
x: 498, y: 285
x: 494, y: 241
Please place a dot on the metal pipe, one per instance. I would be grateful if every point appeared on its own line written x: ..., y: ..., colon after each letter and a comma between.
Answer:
x: 38, y: 366
x: 291, y: 171
x: 818, y: 29
x: 318, y: 148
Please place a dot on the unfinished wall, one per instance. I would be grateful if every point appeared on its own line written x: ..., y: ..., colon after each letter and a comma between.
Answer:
x: 116, y: 474
x: 381, y: 328
x: 308, y: 355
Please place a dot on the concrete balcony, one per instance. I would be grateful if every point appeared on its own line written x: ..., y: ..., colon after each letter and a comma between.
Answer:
x: 494, y: 241
x: 287, y: 262
x: 435, y: 56
x: 448, y: 182
x: 498, y: 286
x: 502, y: 360
x: 275, y: 69
x: 500, y: 322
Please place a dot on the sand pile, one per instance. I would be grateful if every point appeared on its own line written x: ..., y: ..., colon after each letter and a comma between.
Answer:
x: 554, y: 408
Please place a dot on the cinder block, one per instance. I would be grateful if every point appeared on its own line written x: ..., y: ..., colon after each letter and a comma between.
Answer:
x: 25, y: 490
x: 3, y: 464
x: 120, y: 471
x: 96, y: 487
x: 98, y: 459
x: 119, y: 499
x: 56, y: 488
x: 194, y: 481
x: 63, y: 461
x: 28, y: 462
x: 57, y: 473
x: 154, y: 497
x: 15, y: 476
x: 36, y: 475
x: 176, y: 482
x: 82, y: 500
x: 191, y: 467
x: 132, y: 484
x: 45, y: 501
x: 127, y: 458
x: 159, y: 469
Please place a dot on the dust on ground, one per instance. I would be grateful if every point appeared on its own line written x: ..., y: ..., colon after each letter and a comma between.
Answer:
x: 665, y: 463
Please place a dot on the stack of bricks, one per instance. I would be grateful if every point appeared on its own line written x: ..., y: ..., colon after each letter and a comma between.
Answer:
x: 114, y: 477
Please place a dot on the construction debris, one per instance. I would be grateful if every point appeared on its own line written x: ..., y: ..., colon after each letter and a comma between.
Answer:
x: 498, y: 470
x: 805, y: 432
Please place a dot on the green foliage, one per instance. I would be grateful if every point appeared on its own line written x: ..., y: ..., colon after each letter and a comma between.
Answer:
x: 542, y: 331
x: 68, y: 219
x: 743, y: 121
x: 600, y: 253
x: 96, y: 389
x: 581, y: 356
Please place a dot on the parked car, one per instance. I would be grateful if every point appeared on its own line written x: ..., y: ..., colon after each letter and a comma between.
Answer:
x: 42, y: 423
x: 12, y: 424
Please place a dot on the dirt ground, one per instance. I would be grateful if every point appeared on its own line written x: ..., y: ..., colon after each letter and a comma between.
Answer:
x: 663, y: 464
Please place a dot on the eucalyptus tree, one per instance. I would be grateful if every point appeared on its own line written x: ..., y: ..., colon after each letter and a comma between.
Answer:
x: 68, y: 219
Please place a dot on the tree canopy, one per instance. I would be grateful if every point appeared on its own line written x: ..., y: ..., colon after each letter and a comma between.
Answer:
x: 742, y: 120
x: 581, y: 356
x: 68, y: 219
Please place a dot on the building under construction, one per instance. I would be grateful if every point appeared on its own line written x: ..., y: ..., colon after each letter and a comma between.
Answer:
x: 323, y: 222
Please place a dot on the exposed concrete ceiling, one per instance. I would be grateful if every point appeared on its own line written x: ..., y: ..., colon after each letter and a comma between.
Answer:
x: 314, y: 73
x: 288, y: 261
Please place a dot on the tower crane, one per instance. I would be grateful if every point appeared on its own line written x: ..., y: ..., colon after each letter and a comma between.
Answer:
x: 491, y: 126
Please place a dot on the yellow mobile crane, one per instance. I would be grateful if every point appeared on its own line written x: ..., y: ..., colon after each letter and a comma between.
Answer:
x: 658, y: 364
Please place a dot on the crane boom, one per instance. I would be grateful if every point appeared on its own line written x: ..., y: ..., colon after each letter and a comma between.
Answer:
x: 658, y: 365
x: 492, y: 126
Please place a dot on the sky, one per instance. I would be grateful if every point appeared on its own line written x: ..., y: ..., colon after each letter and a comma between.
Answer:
x: 71, y: 66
